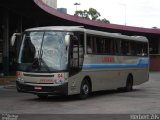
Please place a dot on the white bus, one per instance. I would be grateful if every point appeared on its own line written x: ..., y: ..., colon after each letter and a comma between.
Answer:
x: 63, y: 60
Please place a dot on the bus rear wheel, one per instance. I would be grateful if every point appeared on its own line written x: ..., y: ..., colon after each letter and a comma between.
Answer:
x: 85, y: 89
x: 129, y: 84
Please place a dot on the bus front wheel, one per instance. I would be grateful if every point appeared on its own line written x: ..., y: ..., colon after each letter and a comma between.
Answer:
x: 85, y: 89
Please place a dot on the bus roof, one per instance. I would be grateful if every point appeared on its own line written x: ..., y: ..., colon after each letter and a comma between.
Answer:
x: 88, y: 31
x: 58, y: 28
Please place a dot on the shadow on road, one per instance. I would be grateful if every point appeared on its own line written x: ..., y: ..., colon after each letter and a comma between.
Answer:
x: 76, y: 98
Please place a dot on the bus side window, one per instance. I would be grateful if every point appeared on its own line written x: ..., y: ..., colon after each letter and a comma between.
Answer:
x: 89, y: 49
x: 90, y: 44
x: 111, y: 47
x: 142, y: 49
x: 117, y: 45
x: 133, y: 48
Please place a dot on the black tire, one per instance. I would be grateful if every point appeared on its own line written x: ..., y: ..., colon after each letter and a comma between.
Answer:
x: 85, y: 89
x: 129, y: 84
x: 42, y: 96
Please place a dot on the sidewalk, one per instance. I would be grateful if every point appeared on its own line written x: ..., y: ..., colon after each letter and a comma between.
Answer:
x: 8, y: 81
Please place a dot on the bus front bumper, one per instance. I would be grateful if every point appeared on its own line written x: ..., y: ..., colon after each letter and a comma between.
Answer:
x: 50, y: 90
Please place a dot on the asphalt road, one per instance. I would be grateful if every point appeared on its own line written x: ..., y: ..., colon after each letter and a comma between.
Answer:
x: 144, y: 99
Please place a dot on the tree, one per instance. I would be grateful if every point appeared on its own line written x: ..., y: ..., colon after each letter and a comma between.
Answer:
x: 91, y: 14
x: 94, y: 14
x: 104, y: 20
x: 83, y: 14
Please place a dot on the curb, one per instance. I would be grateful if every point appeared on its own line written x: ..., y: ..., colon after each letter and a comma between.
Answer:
x: 9, y: 86
x: 7, y: 80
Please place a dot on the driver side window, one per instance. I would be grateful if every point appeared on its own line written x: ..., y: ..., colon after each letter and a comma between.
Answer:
x: 76, y: 53
x: 74, y: 58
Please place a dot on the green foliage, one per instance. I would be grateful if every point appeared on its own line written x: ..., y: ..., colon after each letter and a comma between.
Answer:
x: 105, y: 20
x: 81, y: 13
x: 94, y: 14
x: 91, y: 14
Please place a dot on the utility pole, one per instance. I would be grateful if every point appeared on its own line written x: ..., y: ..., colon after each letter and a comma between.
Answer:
x: 125, y: 13
x: 76, y: 4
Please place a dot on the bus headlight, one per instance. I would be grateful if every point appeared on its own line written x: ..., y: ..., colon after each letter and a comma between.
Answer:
x: 18, y: 75
x: 59, y: 81
x: 20, y: 79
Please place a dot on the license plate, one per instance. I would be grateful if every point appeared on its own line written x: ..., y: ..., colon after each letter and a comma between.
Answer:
x: 46, y: 81
x: 37, y: 88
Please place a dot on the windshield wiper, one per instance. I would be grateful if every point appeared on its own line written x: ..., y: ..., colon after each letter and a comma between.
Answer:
x: 45, y: 65
x: 34, y: 65
x: 37, y: 64
x: 42, y: 61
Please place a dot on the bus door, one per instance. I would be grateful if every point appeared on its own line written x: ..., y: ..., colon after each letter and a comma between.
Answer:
x: 76, y: 55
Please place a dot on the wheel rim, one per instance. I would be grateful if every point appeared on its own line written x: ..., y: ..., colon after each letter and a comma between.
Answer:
x: 85, y: 89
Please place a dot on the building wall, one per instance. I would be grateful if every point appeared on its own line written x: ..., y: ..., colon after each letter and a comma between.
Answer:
x: 1, y: 36
x: 11, y: 22
x: 63, y: 10
x: 154, y: 62
x: 51, y: 3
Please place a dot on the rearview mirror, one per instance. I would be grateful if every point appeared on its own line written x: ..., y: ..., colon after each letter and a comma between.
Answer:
x: 67, y: 40
x: 13, y: 38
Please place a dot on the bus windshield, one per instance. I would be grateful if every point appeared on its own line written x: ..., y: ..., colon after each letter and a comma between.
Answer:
x: 43, y: 51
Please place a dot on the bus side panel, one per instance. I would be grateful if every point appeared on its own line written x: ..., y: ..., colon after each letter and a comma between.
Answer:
x: 138, y: 67
x: 103, y: 73
x: 100, y: 80
x: 141, y: 76
x: 105, y: 76
x: 74, y: 83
